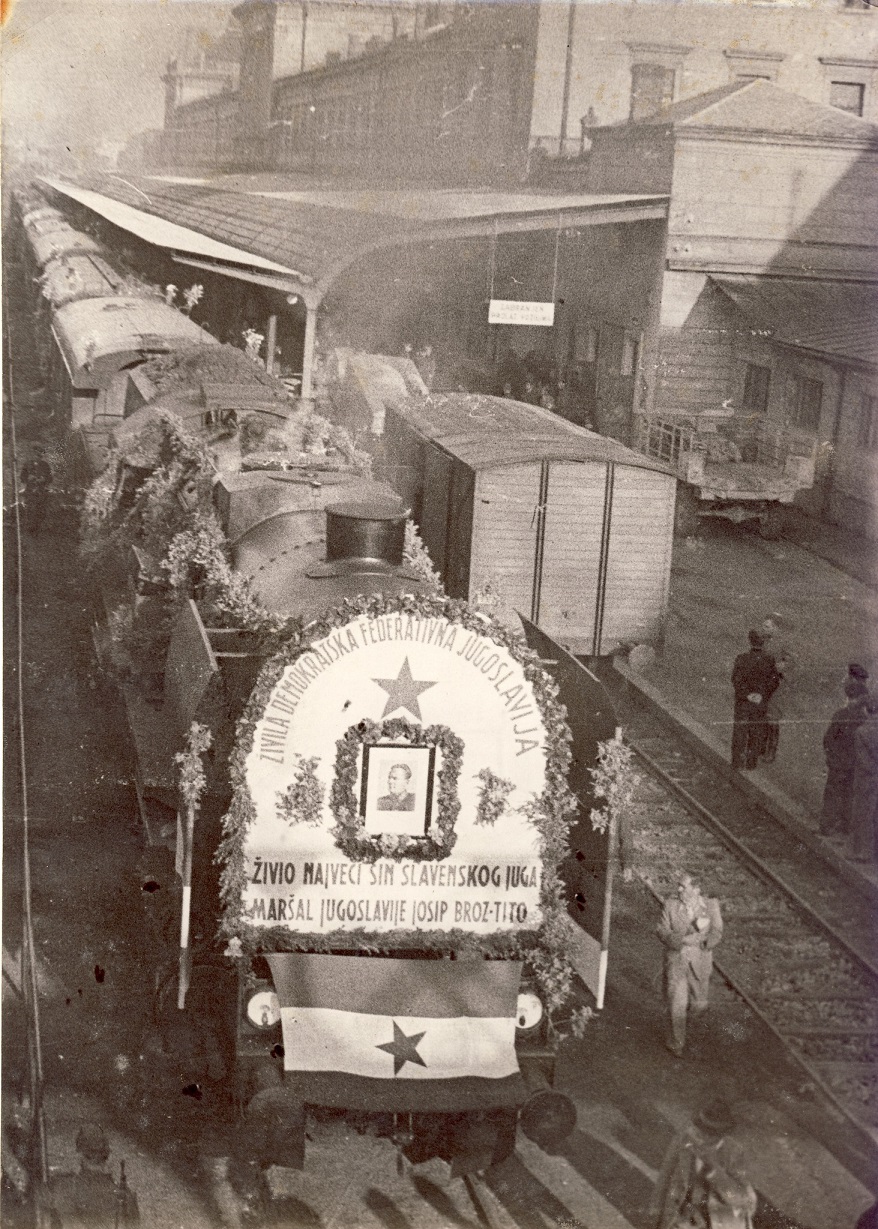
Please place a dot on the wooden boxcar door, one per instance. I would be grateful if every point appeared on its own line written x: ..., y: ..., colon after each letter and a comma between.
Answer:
x: 434, y: 506
x: 578, y: 503
x: 639, y: 564
x: 505, y: 534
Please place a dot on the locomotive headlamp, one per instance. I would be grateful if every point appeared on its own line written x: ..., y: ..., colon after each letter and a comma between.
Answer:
x: 528, y: 1012
x: 263, y: 1009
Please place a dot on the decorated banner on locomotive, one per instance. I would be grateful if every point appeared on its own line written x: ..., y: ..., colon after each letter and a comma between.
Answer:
x: 401, y: 772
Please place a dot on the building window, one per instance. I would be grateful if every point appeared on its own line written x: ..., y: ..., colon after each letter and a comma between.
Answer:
x: 748, y: 65
x: 756, y: 385
x: 867, y: 423
x: 805, y: 402
x: 652, y: 89
x: 847, y: 96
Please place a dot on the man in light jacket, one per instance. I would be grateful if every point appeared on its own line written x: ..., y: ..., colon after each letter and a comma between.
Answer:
x: 690, y: 928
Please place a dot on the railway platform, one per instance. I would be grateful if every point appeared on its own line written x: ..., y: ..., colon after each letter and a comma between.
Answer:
x: 824, y: 618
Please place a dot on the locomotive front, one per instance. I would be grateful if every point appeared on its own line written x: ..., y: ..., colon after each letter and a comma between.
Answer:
x: 390, y: 891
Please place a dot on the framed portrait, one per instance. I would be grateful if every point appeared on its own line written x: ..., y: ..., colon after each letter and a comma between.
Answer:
x: 396, y: 789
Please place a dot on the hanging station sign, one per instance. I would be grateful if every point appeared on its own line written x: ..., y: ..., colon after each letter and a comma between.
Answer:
x: 514, y: 311
x: 392, y: 776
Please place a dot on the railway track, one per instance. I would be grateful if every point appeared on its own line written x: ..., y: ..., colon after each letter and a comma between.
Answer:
x: 799, y: 939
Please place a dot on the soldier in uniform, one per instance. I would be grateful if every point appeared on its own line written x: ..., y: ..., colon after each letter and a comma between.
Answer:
x: 702, y: 1183
x: 91, y: 1197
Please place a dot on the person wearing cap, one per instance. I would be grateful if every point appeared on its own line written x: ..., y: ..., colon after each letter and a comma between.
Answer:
x: 703, y: 1183
x: 691, y: 926
x: 91, y: 1197
x: 754, y: 679
x: 838, y: 746
x: 864, y: 791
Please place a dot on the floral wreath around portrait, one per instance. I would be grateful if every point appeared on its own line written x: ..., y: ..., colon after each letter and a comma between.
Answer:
x: 350, y: 833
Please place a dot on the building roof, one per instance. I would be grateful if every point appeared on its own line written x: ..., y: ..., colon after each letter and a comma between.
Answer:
x: 839, y: 319
x: 485, y: 431
x: 311, y: 235
x: 762, y: 107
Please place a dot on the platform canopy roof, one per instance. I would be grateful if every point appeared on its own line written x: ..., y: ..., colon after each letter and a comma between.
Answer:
x: 302, y: 238
x: 838, y: 319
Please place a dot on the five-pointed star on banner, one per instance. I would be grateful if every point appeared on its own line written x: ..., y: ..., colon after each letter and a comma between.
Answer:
x: 404, y: 1049
x: 403, y: 691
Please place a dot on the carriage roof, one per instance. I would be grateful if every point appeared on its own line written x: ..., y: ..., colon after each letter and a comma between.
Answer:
x: 99, y: 337
x: 484, y: 431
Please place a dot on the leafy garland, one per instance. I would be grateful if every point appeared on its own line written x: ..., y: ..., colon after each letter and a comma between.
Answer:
x: 302, y: 801
x: 193, y: 780
x: 350, y: 829
x: 552, y: 813
x: 614, y: 783
x: 493, y: 796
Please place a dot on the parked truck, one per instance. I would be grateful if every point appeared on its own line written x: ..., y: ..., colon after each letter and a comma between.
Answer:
x: 731, y: 466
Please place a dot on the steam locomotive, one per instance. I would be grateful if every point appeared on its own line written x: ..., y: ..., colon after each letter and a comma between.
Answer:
x: 353, y: 788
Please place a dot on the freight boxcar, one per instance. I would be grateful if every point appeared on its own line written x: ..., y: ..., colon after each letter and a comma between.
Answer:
x: 527, y: 513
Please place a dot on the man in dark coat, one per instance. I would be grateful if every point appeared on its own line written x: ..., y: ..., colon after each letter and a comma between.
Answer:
x: 838, y: 744
x: 755, y: 680
x: 864, y: 796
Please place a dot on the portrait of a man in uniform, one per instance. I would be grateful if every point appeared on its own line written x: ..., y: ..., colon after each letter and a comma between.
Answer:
x: 400, y: 796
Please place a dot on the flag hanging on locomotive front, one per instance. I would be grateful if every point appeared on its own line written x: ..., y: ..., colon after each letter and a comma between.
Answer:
x: 399, y: 1035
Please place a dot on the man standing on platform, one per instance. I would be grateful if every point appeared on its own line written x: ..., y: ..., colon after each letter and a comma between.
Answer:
x: 838, y: 745
x: 690, y: 928
x: 755, y: 680
x: 864, y: 795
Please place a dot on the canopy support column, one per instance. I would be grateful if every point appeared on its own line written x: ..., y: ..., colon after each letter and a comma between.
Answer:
x: 270, y: 343
x: 310, y: 345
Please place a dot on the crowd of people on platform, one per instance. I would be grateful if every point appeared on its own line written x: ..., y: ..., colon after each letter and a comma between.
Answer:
x: 849, y: 810
x: 534, y: 378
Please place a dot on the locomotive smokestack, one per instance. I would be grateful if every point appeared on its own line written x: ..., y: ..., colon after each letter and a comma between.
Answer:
x: 370, y: 532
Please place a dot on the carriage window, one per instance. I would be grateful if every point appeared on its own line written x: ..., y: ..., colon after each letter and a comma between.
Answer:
x: 867, y: 423
x: 805, y: 403
x: 756, y: 384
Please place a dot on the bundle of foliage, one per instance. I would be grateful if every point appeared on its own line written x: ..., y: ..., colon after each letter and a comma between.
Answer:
x: 221, y: 364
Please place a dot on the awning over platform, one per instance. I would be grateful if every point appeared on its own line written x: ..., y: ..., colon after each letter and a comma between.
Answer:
x: 837, y: 319
x: 311, y: 235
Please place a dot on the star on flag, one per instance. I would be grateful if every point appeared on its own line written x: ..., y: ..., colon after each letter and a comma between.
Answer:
x: 404, y: 1049
x: 403, y: 691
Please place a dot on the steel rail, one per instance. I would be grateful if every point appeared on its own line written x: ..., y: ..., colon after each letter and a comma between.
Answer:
x: 39, y: 1142
x: 759, y: 865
